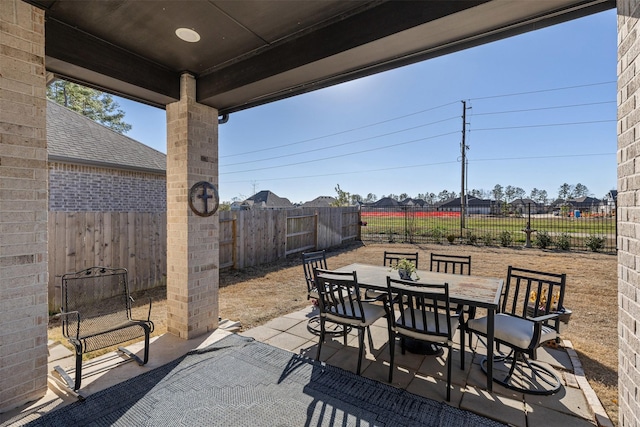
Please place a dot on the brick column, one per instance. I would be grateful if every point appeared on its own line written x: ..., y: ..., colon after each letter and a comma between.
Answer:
x: 23, y: 205
x: 629, y: 212
x: 192, y: 241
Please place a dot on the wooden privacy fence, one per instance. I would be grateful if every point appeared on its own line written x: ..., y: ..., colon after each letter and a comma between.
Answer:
x: 258, y: 236
x: 137, y: 241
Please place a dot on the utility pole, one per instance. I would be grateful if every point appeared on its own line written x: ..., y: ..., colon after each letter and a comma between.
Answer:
x: 463, y: 162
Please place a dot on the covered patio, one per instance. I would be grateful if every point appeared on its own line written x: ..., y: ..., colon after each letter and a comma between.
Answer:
x: 217, y: 58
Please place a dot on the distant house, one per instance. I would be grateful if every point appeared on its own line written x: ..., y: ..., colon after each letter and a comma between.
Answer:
x: 320, y: 202
x: 586, y: 204
x: 526, y: 206
x: 92, y: 168
x: 385, y: 202
x: 609, y: 202
x: 583, y: 204
x: 263, y: 200
x: 413, y: 202
x: 558, y: 205
x: 474, y: 205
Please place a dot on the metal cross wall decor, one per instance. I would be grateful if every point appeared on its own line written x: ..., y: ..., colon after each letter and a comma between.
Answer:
x: 199, y: 198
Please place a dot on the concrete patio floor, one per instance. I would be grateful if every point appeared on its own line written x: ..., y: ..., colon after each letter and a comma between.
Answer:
x: 574, y: 405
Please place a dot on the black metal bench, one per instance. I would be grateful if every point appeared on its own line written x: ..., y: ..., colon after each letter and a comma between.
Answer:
x: 96, y: 313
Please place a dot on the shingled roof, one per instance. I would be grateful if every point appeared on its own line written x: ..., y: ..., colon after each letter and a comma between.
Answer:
x: 320, y: 202
x: 74, y: 138
x: 268, y: 199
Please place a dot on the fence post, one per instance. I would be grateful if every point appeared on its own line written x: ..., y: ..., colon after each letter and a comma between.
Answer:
x: 528, y: 229
x: 615, y: 206
x: 461, y: 226
x: 406, y: 227
x: 315, y: 220
x: 234, y: 240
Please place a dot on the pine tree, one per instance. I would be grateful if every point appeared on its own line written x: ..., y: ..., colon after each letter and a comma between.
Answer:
x: 98, y: 106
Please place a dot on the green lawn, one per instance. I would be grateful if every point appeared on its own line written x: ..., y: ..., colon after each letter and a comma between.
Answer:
x: 487, y: 229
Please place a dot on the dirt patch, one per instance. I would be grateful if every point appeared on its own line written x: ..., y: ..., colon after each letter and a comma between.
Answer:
x: 256, y: 295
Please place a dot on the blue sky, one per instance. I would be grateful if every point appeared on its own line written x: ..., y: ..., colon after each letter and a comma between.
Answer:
x: 541, y: 112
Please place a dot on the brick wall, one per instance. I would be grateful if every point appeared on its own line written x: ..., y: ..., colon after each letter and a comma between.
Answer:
x: 23, y: 205
x: 79, y: 188
x: 629, y: 212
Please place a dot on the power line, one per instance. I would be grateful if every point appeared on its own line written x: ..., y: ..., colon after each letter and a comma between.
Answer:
x: 544, y: 90
x: 347, y: 173
x: 342, y: 155
x: 545, y: 157
x: 416, y: 127
x: 410, y: 142
x: 413, y: 114
x: 425, y: 125
x: 402, y: 167
x: 547, y: 125
x: 429, y: 124
x: 544, y: 108
x: 341, y: 144
x: 340, y: 132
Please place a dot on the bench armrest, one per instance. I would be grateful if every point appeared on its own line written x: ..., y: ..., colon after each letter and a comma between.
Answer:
x: 77, y: 319
x: 148, y: 319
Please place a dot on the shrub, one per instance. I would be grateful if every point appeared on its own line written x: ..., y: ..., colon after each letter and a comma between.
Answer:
x: 437, y: 234
x: 391, y: 237
x: 487, y: 239
x: 595, y: 243
x: 543, y: 240
x: 451, y: 238
x: 472, y: 239
x: 505, y: 239
x: 564, y: 242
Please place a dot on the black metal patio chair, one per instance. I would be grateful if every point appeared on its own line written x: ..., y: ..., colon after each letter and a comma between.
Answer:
x: 456, y: 264
x: 311, y: 261
x: 341, y: 303
x: 420, y: 312
x: 531, y: 306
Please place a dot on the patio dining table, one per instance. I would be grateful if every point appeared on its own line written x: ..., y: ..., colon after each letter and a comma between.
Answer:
x: 474, y: 291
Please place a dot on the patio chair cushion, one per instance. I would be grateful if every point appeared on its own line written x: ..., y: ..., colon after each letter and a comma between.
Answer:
x: 513, y: 330
x: 372, y: 312
x: 431, y: 327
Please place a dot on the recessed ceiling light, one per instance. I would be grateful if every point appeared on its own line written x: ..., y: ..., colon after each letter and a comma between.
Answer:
x: 188, y: 35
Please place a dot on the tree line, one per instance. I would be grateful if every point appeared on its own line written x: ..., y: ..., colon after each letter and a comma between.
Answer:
x: 505, y: 194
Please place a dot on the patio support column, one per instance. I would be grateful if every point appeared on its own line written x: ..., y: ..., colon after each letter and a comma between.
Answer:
x: 23, y: 205
x: 628, y: 214
x: 192, y: 240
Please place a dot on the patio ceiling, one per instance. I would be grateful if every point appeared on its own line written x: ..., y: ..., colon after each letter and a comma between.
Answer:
x: 257, y: 51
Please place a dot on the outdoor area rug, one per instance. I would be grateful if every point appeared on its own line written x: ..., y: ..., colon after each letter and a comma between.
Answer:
x: 241, y: 382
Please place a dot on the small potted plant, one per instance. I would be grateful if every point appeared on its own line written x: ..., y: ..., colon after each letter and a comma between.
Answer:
x: 405, y: 269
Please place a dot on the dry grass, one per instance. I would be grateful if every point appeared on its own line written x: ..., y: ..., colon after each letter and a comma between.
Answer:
x: 256, y: 295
